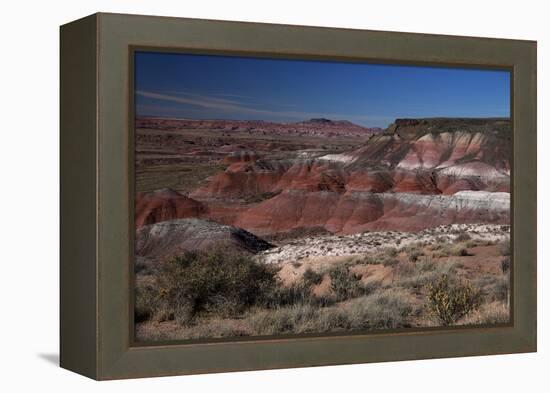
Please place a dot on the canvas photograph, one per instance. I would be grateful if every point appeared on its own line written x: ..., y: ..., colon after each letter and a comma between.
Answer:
x: 277, y: 197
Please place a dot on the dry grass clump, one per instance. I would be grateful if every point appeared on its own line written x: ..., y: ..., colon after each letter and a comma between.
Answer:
x: 449, y: 249
x: 215, y: 328
x: 420, y: 274
x: 391, y: 252
x: 296, y: 294
x: 504, y: 248
x: 292, y: 319
x: 387, y: 309
x: 493, y: 288
x: 488, y: 314
x: 414, y: 251
x: 387, y: 256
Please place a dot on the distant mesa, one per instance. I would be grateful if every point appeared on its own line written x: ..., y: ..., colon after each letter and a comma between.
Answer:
x: 319, y: 120
x: 323, y: 121
x: 318, y: 126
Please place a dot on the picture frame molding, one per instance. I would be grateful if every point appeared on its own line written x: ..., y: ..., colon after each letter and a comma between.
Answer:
x: 97, y: 195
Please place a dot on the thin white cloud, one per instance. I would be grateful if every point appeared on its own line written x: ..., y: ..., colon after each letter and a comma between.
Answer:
x: 235, y: 107
x: 202, y: 97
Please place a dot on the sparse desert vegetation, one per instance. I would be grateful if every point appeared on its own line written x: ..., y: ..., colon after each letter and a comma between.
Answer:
x: 216, y: 294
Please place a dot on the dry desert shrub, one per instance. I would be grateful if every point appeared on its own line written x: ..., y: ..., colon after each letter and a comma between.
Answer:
x: 148, y: 304
x: 450, y: 249
x: 311, y: 277
x: 493, y: 288
x: 212, y: 282
x: 344, y: 284
x: 505, y: 264
x: 449, y: 301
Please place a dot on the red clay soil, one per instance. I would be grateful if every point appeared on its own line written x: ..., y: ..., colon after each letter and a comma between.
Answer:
x: 165, y: 204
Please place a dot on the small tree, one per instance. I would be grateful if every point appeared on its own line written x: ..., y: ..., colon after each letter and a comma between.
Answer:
x: 449, y: 302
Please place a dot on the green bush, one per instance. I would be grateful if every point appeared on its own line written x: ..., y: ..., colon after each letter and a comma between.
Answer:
x: 449, y: 302
x: 214, y: 281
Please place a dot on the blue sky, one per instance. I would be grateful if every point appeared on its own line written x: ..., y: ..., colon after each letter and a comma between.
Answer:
x: 243, y: 88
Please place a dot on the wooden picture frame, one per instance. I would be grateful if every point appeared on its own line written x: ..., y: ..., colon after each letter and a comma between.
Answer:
x: 97, y: 195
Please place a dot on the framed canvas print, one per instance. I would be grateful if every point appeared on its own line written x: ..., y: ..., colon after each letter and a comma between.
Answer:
x: 240, y: 196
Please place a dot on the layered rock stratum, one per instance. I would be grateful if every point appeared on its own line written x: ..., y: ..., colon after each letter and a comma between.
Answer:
x: 165, y: 204
x: 416, y: 174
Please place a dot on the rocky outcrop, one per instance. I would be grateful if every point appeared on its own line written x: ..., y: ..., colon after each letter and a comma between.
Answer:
x: 437, y: 151
x: 358, y: 211
x: 163, y: 205
x: 426, y: 156
x: 168, y: 238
